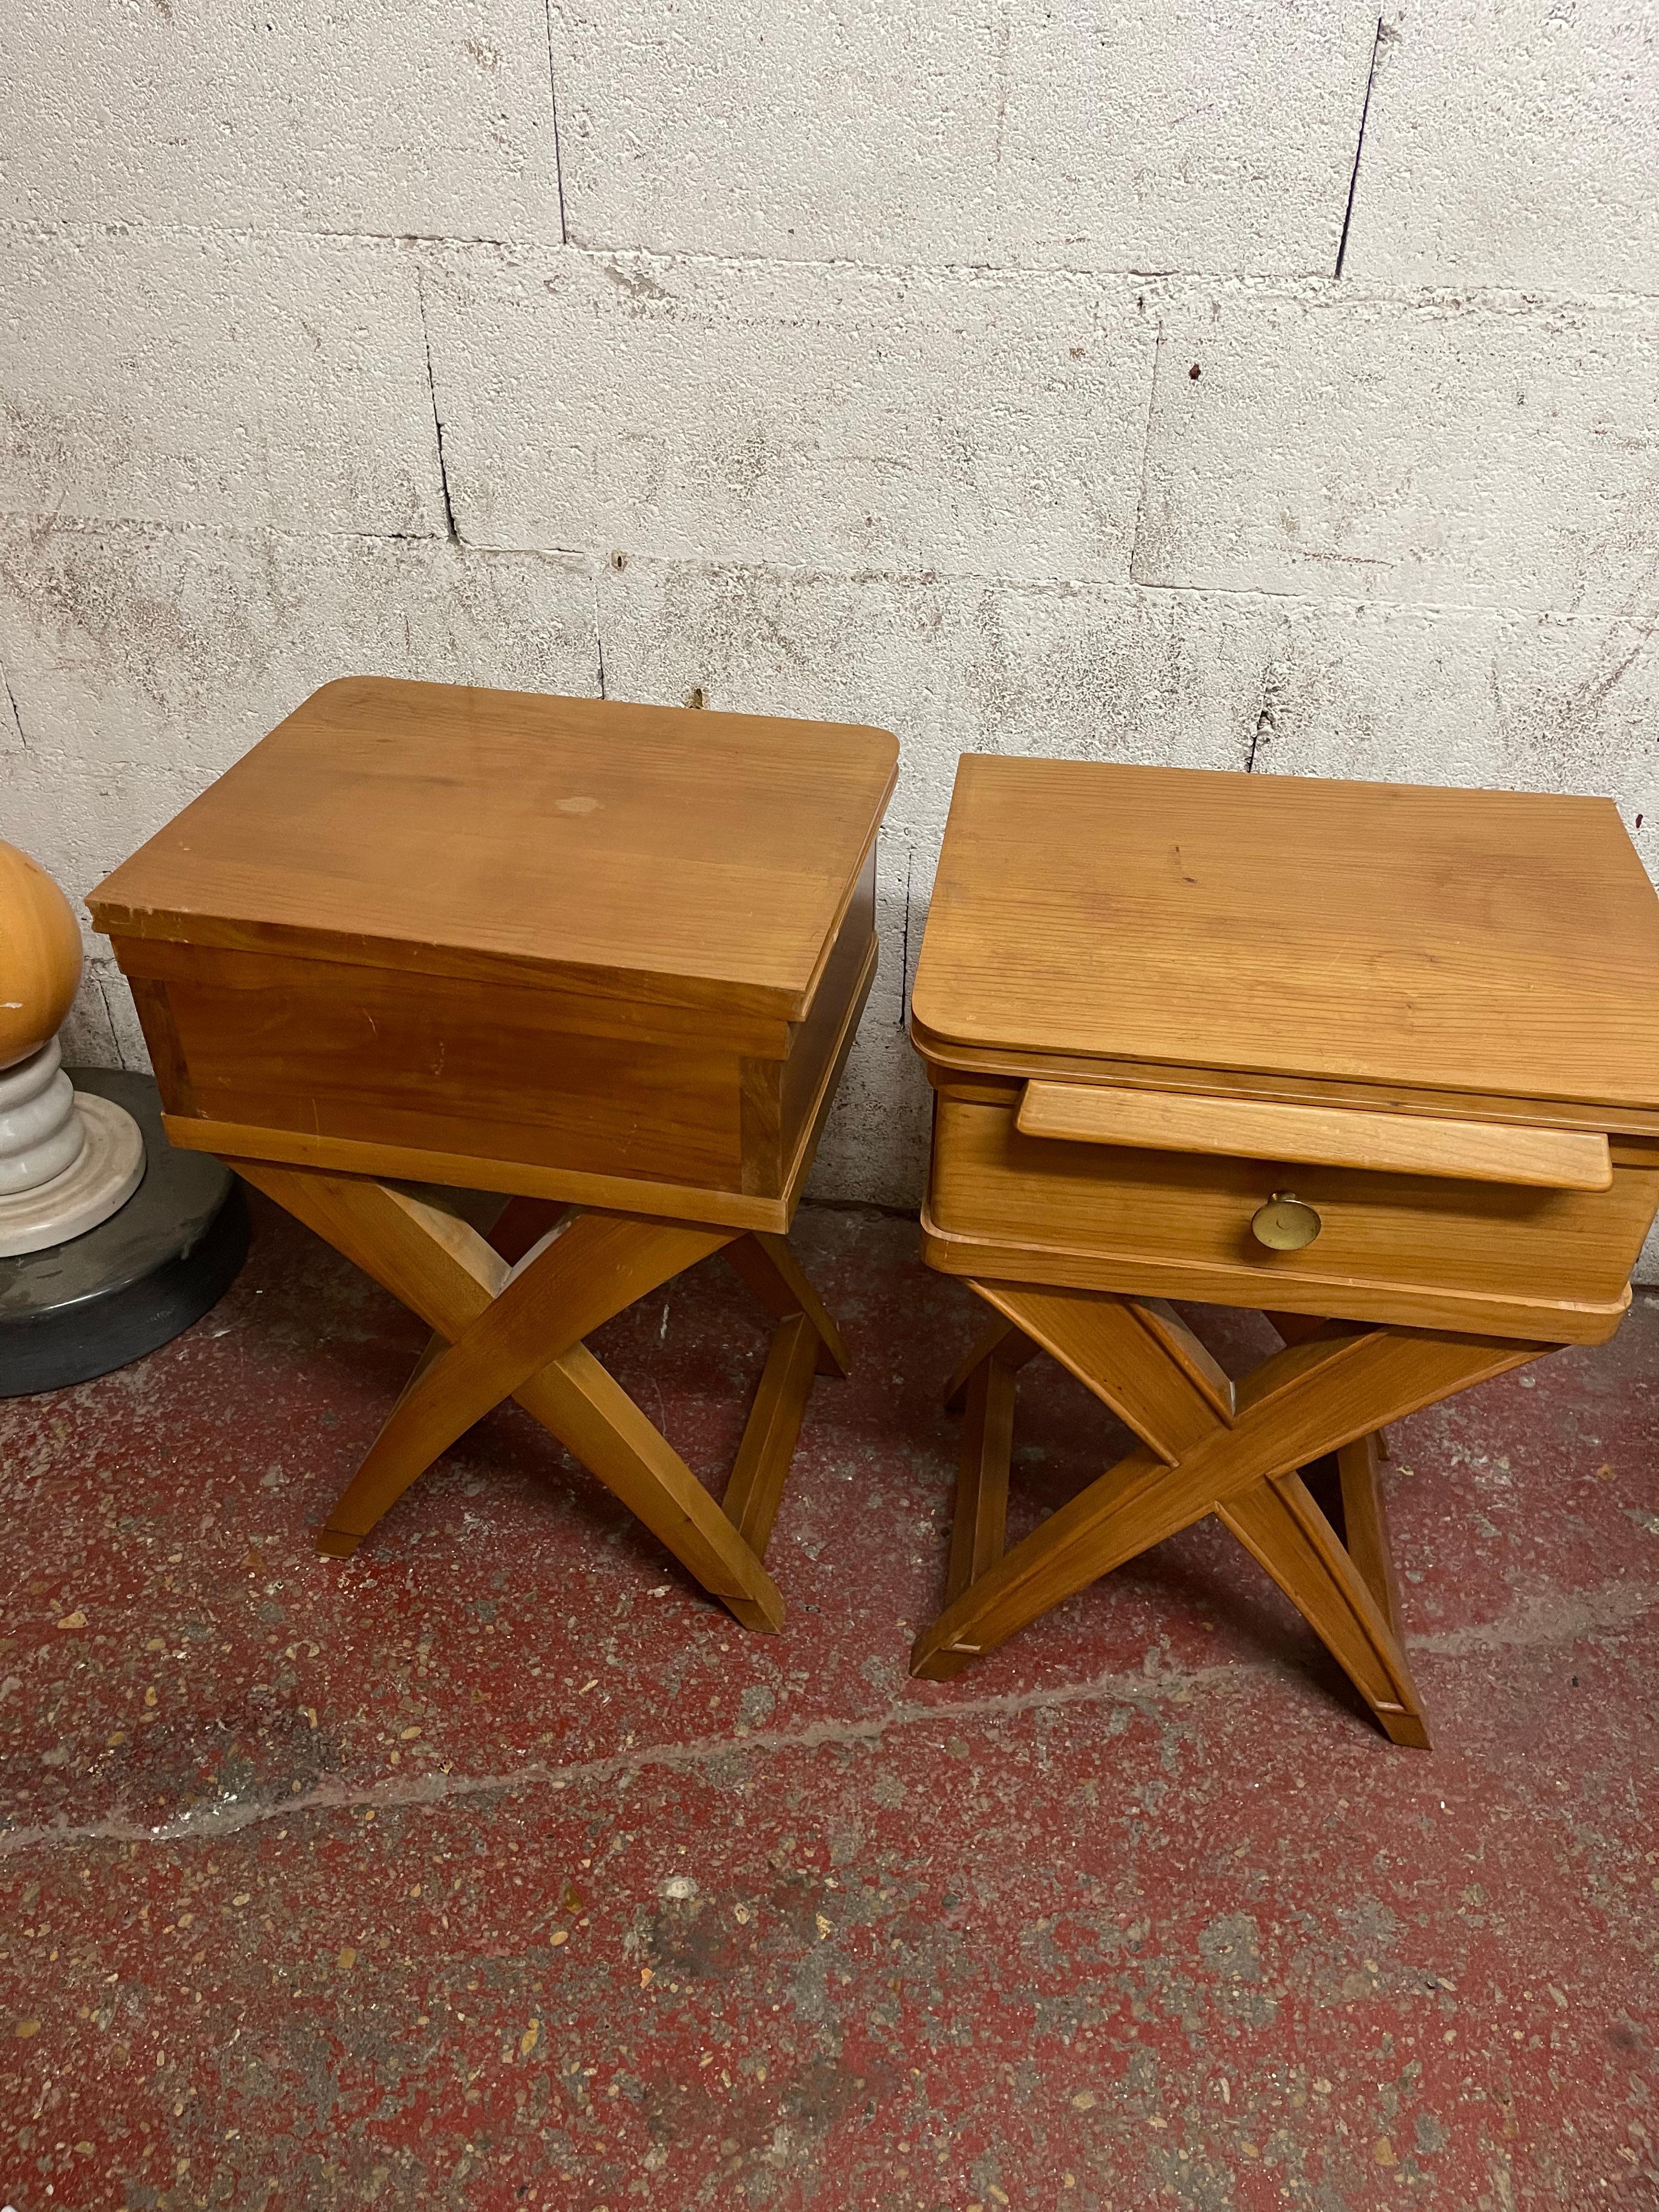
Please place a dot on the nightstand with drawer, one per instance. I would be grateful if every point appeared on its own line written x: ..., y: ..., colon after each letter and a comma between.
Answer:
x: 1379, y: 1061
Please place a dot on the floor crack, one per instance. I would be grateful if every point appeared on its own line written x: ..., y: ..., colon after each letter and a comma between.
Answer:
x: 226, y: 1816
x: 1573, y: 1617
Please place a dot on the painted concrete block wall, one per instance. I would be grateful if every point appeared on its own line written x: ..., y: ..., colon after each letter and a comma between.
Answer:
x: 1256, y: 386
x: 1005, y: 133
x: 195, y: 378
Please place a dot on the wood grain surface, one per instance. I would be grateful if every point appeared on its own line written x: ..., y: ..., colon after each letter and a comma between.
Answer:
x: 1464, y: 941
x: 706, y: 859
x: 40, y: 956
x: 1415, y: 1233
x: 1335, y: 1136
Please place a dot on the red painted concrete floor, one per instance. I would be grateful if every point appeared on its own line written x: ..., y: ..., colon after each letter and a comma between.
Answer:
x: 498, y: 1867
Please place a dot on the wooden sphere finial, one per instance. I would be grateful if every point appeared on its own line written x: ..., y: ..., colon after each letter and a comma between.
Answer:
x: 40, y: 956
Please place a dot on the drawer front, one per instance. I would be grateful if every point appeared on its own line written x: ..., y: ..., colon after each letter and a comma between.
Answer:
x: 1476, y: 1240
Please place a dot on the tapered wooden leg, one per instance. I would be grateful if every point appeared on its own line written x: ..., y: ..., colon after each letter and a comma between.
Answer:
x: 1088, y: 1536
x: 807, y: 1342
x: 1280, y: 1524
x: 591, y: 1413
x: 443, y: 1270
x: 1011, y: 1345
x: 520, y: 1222
x: 772, y: 1272
x: 1365, y: 1523
x: 1313, y: 1397
x: 1297, y: 1328
x: 978, y: 1531
x: 768, y: 1440
x: 550, y: 1301
x: 1287, y: 1405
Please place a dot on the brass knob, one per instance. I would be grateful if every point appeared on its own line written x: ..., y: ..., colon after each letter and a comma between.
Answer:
x: 1285, y: 1224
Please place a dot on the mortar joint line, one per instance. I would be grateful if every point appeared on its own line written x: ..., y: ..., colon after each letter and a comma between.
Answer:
x: 104, y: 983
x: 1289, y: 285
x: 43, y: 526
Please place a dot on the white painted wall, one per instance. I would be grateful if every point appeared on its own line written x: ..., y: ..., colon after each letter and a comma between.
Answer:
x: 981, y: 371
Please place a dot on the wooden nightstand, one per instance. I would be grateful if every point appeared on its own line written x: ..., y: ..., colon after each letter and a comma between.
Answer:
x: 605, y: 959
x: 1382, y: 1062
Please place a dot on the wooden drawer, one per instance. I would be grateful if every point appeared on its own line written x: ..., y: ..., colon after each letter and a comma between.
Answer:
x: 1433, y: 1250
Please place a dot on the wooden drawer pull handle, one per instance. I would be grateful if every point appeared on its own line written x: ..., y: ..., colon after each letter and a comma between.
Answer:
x: 1322, y: 1136
x: 1285, y: 1224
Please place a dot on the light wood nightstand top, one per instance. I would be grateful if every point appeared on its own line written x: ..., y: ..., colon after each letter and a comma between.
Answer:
x: 704, y: 858
x: 1386, y: 935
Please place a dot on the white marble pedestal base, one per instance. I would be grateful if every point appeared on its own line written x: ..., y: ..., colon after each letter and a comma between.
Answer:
x: 68, y: 1159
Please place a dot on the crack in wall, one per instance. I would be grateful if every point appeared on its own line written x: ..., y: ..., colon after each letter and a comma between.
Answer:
x: 904, y: 971
x: 11, y: 702
x: 1266, y: 719
x: 102, y: 984
x: 1274, y: 698
x: 1264, y: 728
x: 553, y: 97
x: 451, y: 531
x: 1145, y: 458
x: 1359, y: 148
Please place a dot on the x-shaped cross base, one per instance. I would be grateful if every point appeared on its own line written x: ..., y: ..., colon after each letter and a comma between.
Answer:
x: 1205, y: 1448
x: 516, y: 1330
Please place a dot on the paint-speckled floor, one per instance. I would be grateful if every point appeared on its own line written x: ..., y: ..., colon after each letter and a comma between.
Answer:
x: 498, y: 1867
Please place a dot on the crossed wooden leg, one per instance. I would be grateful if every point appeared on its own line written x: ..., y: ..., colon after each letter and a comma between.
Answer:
x: 1359, y: 1492
x: 516, y: 1330
x: 1205, y: 1448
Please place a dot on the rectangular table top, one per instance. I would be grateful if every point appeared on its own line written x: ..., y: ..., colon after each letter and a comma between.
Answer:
x: 700, y: 857
x: 1388, y: 934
